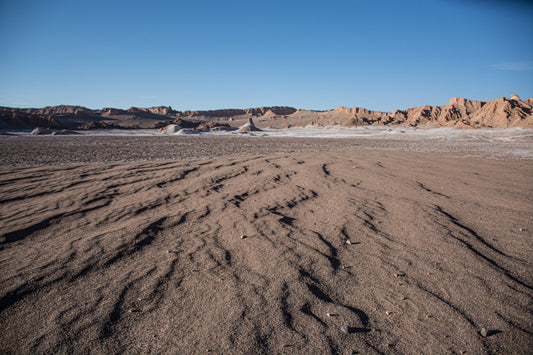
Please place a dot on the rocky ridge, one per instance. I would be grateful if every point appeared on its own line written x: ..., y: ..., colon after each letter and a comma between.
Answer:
x: 459, y: 112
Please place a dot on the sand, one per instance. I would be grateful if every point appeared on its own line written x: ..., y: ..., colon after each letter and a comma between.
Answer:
x: 264, y: 250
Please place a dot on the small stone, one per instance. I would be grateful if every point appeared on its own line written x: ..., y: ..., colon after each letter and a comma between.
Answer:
x: 483, y: 332
x: 521, y: 229
x: 243, y: 236
x: 348, y: 242
x: 328, y: 314
x: 347, y: 329
x: 388, y: 313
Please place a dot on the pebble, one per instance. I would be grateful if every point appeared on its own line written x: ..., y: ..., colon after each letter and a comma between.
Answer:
x: 483, y: 332
x: 388, y: 313
x: 347, y: 329
x: 243, y: 236
x: 348, y: 242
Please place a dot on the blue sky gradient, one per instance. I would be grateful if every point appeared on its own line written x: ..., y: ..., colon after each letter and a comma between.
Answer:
x: 209, y: 54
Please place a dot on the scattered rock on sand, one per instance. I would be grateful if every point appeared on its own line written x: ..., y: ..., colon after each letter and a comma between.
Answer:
x: 484, y: 333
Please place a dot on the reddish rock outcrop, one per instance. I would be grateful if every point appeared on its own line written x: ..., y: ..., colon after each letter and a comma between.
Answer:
x: 459, y: 112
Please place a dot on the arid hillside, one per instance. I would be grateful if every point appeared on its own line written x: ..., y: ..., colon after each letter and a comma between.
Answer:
x: 459, y: 112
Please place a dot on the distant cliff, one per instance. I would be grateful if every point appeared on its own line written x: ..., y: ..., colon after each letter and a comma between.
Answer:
x: 459, y: 112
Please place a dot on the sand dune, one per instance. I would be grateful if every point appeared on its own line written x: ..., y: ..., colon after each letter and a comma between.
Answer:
x: 414, y: 252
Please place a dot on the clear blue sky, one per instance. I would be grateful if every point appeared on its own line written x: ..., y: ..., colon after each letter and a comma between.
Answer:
x: 208, y: 54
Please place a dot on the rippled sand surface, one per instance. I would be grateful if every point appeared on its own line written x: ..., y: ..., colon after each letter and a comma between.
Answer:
x: 263, y: 245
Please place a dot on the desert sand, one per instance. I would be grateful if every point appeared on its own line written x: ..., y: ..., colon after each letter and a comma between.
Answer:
x: 262, y: 246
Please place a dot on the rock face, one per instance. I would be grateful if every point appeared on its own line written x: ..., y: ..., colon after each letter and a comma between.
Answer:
x: 354, y: 122
x: 100, y: 125
x: 170, y: 129
x: 274, y: 110
x: 248, y: 127
x: 21, y: 119
x: 459, y: 112
x: 39, y: 131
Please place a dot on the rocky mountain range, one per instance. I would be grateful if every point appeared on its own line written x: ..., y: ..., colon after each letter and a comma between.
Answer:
x: 459, y: 112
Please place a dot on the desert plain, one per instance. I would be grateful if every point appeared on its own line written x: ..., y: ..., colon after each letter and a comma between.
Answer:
x: 261, y: 245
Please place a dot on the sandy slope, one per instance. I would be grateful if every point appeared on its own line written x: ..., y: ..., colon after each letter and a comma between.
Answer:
x: 148, y: 256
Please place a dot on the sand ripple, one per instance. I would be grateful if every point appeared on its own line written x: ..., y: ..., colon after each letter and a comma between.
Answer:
x: 415, y: 252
